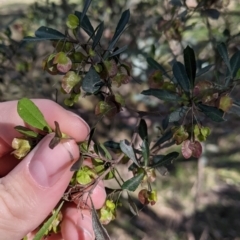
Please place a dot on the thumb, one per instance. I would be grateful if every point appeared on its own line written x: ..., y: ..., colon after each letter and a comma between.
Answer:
x: 33, y: 188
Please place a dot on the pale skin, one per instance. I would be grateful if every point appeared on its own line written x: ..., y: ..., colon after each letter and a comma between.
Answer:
x: 30, y: 188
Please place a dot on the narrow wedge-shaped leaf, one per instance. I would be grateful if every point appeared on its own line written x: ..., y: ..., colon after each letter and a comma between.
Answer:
x: 222, y: 49
x: 142, y: 130
x: 119, y: 29
x: 132, y: 206
x: 31, y: 115
x: 91, y: 82
x: 96, y: 148
x: 133, y: 183
x: 119, y: 51
x: 90, y: 137
x: 213, y: 113
x: 85, y: 24
x: 40, y: 234
x: 165, y: 123
x: 212, y: 13
x: 160, y: 160
x: 161, y: 94
x: 57, y: 138
x: 165, y: 137
x: 145, y: 152
x: 85, y: 8
x: 235, y: 63
x: 34, y: 39
x: 154, y: 64
x: 99, y: 231
x: 178, y: 114
x: 98, y: 36
x: 77, y: 165
x: 190, y: 64
x: 26, y: 131
x: 112, y: 145
x: 106, y: 152
x: 128, y: 150
x: 181, y: 76
x: 176, y: 3
x: 46, y: 33
x: 204, y: 70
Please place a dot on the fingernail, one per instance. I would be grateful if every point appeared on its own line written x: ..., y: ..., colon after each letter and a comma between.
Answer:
x: 84, y: 224
x: 81, y: 119
x: 48, y: 165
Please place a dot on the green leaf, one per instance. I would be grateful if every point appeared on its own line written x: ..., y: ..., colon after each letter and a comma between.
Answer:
x: 99, y: 231
x: 176, y: 3
x: 235, y: 63
x: 190, y: 64
x: 85, y: 24
x: 161, y: 94
x: 106, y: 152
x: 90, y: 137
x: 98, y: 36
x: 165, y: 137
x: 222, y: 49
x: 31, y: 115
x: 46, y: 33
x: 128, y: 150
x: 213, y: 113
x: 78, y: 164
x: 160, y: 160
x: 145, y: 152
x: 132, y: 206
x: 32, y: 39
x: 178, y: 114
x: 142, y: 130
x: 203, y: 70
x: 154, y: 64
x: 112, y: 145
x: 212, y: 13
x: 165, y: 123
x: 91, y: 82
x: 57, y: 138
x: 133, y: 183
x: 181, y: 76
x: 119, y: 29
x: 85, y: 8
x: 26, y: 131
x: 118, y: 51
x: 40, y: 234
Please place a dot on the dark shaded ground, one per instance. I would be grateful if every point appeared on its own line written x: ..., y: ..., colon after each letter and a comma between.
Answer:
x: 219, y: 221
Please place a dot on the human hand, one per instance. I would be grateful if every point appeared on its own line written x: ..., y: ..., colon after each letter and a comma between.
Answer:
x: 31, y: 188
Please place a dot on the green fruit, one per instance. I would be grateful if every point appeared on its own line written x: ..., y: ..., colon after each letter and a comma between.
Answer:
x: 72, y: 21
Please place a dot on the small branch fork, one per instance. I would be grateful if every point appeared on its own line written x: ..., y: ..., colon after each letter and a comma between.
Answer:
x: 75, y: 193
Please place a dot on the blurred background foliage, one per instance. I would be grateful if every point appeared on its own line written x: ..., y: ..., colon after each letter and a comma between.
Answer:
x: 197, y: 199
